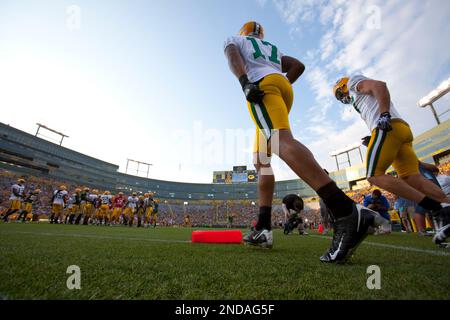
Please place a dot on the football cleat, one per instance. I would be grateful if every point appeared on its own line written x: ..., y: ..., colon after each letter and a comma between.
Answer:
x: 350, y: 231
x: 441, y: 220
x: 261, y: 238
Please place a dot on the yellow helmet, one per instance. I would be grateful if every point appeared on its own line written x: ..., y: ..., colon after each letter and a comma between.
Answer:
x: 77, y: 190
x: 21, y: 180
x: 150, y: 194
x: 37, y: 191
x: 134, y: 194
x: 121, y: 193
x: 252, y: 28
x: 341, y: 92
x: 106, y: 192
x: 146, y: 194
x: 62, y: 187
x: 95, y: 191
x: 86, y: 189
x: 141, y: 197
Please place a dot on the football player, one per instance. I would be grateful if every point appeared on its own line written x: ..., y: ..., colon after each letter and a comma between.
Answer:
x: 76, y: 204
x: 103, y: 213
x: 15, y: 199
x: 59, y: 200
x: 118, y: 203
x: 154, y: 216
x: 68, y: 210
x: 148, y: 204
x: 140, y: 210
x: 90, y: 206
x: 266, y: 77
x: 84, y: 201
x: 97, y: 206
x: 28, y: 202
x: 130, y: 207
x: 391, y: 144
x: 292, y: 206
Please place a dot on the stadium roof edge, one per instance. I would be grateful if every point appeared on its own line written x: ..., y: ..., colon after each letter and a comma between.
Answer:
x: 65, y: 148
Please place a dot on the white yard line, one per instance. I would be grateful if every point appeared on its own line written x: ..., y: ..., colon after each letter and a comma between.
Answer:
x: 392, y: 246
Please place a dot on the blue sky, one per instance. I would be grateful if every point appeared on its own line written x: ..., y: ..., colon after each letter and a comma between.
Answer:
x: 148, y: 80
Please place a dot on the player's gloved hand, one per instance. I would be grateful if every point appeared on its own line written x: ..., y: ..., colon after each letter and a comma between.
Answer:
x: 384, y: 122
x: 365, y: 141
x: 251, y: 90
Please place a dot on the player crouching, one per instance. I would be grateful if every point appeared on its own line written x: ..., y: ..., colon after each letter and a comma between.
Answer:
x: 292, y: 206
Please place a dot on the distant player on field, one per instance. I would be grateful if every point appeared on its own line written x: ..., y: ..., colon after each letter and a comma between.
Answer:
x: 130, y: 208
x: 103, y: 214
x: 30, y: 199
x: 148, y: 205
x: 154, y: 217
x: 391, y: 144
x: 16, y: 198
x: 76, y: 203
x: 118, y: 203
x: 59, y: 200
x: 266, y: 77
x: 83, y: 206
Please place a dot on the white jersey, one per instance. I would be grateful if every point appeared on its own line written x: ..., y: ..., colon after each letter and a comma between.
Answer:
x: 366, y: 104
x: 106, y: 198
x: 58, y: 196
x: 70, y: 202
x: 444, y: 181
x: 261, y: 58
x: 19, y: 189
x: 92, y: 197
x: 132, y: 201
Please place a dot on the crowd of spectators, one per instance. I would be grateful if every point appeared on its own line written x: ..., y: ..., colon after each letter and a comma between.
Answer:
x: 238, y: 213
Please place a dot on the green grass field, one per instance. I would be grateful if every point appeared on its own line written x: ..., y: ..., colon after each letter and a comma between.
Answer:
x: 161, y: 263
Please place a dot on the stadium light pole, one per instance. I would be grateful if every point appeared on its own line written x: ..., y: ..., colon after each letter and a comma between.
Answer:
x: 433, y: 96
x: 62, y: 135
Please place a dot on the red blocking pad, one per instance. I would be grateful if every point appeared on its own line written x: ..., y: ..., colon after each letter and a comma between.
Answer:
x: 217, y: 236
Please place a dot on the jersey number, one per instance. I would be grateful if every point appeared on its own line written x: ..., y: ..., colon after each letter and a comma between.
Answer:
x: 274, y: 54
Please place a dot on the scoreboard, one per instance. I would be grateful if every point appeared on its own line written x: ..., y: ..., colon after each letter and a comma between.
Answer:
x: 240, y: 174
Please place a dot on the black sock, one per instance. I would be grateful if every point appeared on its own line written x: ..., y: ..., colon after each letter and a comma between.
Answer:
x: 264, y: 218
x: 336, y: 200
x: 430, y: 204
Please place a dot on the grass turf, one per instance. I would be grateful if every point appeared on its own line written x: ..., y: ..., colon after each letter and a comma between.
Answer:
x: 161, y: 263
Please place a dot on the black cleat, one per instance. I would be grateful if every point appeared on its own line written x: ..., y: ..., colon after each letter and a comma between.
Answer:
x: 350, y: 231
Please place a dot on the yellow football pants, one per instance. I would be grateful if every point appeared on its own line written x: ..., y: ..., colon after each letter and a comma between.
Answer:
x: 392, y: 148
x: 272, y: 113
